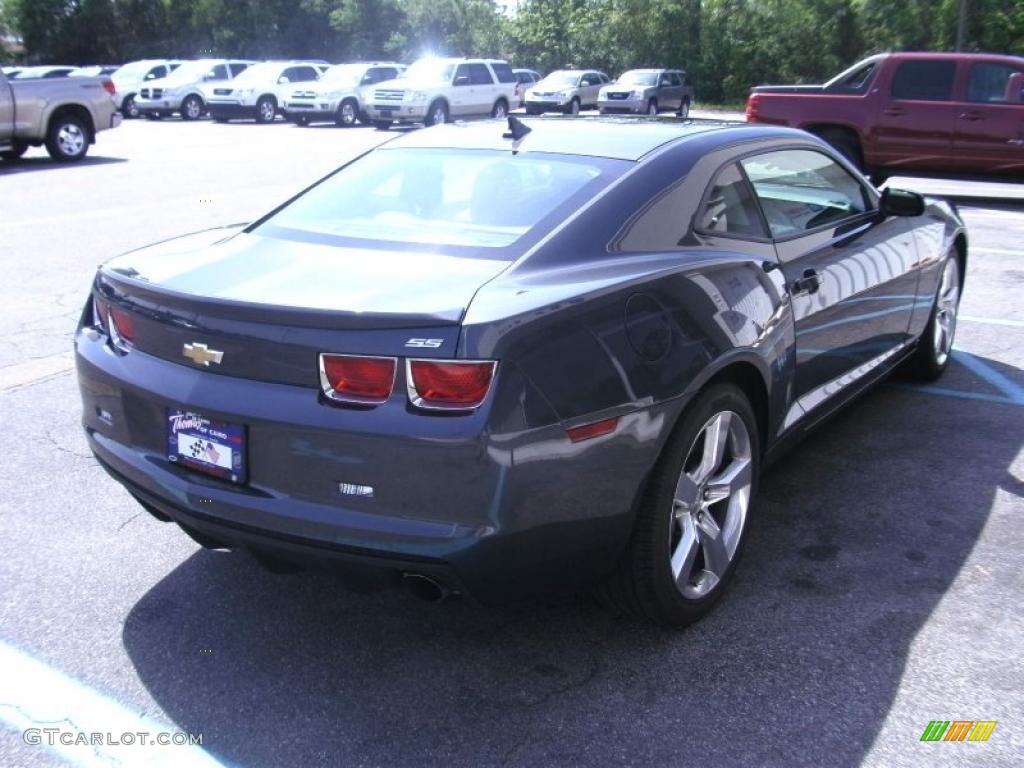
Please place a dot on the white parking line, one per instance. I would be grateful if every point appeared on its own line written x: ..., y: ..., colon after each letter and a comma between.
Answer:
x: 993, y: 321
x: 996, y: 251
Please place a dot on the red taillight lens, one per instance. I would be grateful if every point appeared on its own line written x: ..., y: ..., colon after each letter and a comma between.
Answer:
x: 108, y: 86
x: 752, y: 108
x: 598, y: 428
x: 449, y: 385
x: 353, y: 379
x: 122, y: 327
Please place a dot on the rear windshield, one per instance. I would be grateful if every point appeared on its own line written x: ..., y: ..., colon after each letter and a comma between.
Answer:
x: 452, y: 198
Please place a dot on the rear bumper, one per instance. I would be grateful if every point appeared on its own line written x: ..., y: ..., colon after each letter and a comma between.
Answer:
x: 498, y: 517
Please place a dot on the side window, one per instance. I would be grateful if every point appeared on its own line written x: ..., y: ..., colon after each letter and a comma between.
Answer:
x: 800, y: 190
x: 605, y: 78
x: 238, y: 68
x: 591, y: 79
x: 307, y: 74
x: 857, y: 81
x: 503, y: 72
x: 219, y: 72
x: 926, y: 80
x: 989, y: 83
x: 673, y: 79
x: 156, y: 73
x: 462, y: 71
x: 480, y: 75
x: 370, y: 77
x: 730, y: 207
x: 386, y: 73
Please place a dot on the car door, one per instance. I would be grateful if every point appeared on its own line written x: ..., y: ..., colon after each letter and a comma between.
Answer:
x: 675, y: 90
x: 590, y: 84
x: 989, y: 133
x: 914, y: 126
x: 852, y: 276
x: 485, y: 90
x: 461, y: 98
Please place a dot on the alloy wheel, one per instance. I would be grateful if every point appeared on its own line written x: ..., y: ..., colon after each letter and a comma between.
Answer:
x: 71, y: 139
x: 710, y: 505
x: 348, y: 113
x: 945, y: 311
x: 193, y: 109
x: 267, y: 110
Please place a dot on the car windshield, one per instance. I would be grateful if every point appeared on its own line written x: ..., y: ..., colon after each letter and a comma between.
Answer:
x: 134, y: 70
x: 190, y: 71
x: 430, y: 70
x: 481, y: 199
x: 343, y: 73
x: 258, y: 73
x: 635, y: 77
x: 560, y: 79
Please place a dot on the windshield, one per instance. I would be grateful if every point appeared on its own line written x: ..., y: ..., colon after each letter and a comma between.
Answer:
x: 134, y: 70
x: 343, y: 73
x: 191, y: 71
x: 453, y: 197
x: 636, y: 77
x: 257, y: 73
x: 560, y: 79
x: 430, y: 70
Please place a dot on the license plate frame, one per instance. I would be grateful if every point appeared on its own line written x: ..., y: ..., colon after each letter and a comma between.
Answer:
x: 203, y: 444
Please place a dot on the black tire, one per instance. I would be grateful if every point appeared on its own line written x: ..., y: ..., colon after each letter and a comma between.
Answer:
x: 574, y: 107
x: 437, y: 113
x: 129, y: 110
x: 153, y: 115
x: 934, y: 347
x: 192, y: 107
x: 684, y: 109
x: 18, y: 148
x: 300, y: 120
x: 642, y: 584
x: 266, y: 109
x: 67, y: 138
x: 652, y: 107
x: 382, y: 125
x: 500, y: 109
x: 348, y: 113
x: 845, y: 144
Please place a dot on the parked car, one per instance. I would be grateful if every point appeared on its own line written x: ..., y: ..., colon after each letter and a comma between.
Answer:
x: 181, y: 91
x: 960, y: 112
x: 64, y: 115
x: 253, y: 95
x: 11, y: 71
x: 566, y: 90
x: 96, y: 70
x: 524, y: 79
x: 648, y: 91
x: 508, y: 359
x: 339, y: 95
x: 129, y: 79
x: 435, y: 90
x: 47, y: 72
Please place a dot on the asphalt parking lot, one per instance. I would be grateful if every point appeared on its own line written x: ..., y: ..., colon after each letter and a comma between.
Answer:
x: 881, y: 587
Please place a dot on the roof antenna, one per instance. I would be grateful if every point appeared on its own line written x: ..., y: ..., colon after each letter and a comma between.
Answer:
x: 517, y: 129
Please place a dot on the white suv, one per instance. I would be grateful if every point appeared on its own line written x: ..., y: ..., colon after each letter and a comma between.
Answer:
x: 436, y: 90
x: 253, y: 94
x: 131, y: 77
x: 339, y: 95
x: 181, y: 90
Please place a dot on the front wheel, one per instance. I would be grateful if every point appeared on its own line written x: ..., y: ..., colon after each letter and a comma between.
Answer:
x: 67, y: 140
x: 192, y: 107
x: 129, y: 108
x: 684, y: 109
x: 266, y: 109
x: 348, y: 113
x: 437, y: 114
x: 500, y: 108
x: 693, y: 514
x: 652, y: 107
x: 935, y: 346
x: 574, y: 106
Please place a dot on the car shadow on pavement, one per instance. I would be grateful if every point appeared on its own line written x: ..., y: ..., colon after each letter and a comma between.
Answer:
x: 858, y: 534
x: 30, y: 164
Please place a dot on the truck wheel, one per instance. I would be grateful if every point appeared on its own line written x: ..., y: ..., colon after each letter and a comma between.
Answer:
x: 500, y: 108
x: 128, y: 107
x: 437, y: 114
x: 348, y: 113
x: 684, y: 109
x: 846, y: 145
x: 652, y: 107
x: 266, y: 109
x: 192, y: 107
x: 18, y: 148
x: 67, y: 140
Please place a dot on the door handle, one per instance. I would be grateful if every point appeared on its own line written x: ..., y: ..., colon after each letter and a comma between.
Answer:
x: 809, y: 283
x: 971, y: 116
x: 894, y: 112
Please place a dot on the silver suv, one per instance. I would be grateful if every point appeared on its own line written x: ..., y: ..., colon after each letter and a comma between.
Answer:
x: 566, y: 90
x: 435, y: 90
x: 129, y: 78
x: 647, y: 91
x: 181, y: 90
x: 339, y: 95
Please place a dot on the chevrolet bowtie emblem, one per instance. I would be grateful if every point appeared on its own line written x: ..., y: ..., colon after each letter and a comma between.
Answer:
x: 200, y: 353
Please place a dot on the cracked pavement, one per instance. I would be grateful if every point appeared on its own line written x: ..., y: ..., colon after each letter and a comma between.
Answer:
x: 880, y: 588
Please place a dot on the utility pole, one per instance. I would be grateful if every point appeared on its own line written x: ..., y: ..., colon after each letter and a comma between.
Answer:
x: 961, y: 26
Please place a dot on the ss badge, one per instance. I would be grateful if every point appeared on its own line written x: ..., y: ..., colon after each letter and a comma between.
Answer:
x: 424, y: 343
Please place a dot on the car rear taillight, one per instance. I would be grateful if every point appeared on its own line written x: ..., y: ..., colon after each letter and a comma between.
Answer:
x: 108, y: 86
x: 449, y: 384
x: 121, y: 326
x: 753, y: 106
x: 355, y: 379
x: 99, y: 314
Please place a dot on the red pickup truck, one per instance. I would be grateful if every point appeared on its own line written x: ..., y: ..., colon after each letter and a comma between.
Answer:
x: 959, y: 112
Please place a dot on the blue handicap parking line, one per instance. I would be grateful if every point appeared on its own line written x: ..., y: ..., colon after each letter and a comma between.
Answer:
x: 1010, y: 393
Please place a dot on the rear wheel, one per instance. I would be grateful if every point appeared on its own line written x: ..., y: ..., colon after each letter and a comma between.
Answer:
x: 935, y: 346
x: 192, y: 107
x: 266, y: 109
x: 67, y: 139
x: 18, y: 148
x: 348, y: 113
x: 845, y: 144
x: 692, y: 520
x: 652, y: 107
x: 684, y: 109
x: 129, y: 108
x: 500, y: 108
x: 437, y: 114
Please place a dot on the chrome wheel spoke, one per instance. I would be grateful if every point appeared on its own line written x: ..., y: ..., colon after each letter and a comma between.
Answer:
x: 735, y: 477
x: 715, y: 436
x: 716, y: 555
x: 685, y: 553
x: 687, y: 495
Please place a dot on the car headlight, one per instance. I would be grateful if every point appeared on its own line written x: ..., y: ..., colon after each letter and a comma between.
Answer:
x: 637, y: 95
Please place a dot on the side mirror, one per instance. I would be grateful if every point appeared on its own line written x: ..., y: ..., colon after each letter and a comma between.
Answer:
x: 462, y: 80
x: 901, y: 202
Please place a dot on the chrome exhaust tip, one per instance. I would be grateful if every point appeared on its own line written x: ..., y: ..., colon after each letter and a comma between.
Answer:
x: 425, y: 587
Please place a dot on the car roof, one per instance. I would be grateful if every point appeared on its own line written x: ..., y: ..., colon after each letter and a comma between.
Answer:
x: 621, y: 138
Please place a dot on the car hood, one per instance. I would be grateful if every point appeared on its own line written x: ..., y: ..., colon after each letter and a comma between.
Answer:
x: 234, y: 268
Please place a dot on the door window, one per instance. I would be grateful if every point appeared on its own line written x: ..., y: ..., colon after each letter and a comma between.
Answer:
x: 591, y: 79
x: 504, y: 73
x: 238, y: 68
x: 730, y: 207
x: 801, y: 190
x: 479, y: 74
x: 989, y: 83
x: 924, y: 80
x: 156, y: 73
x: 218, y: 72
x: 462, y: 71
x: 673, y: 79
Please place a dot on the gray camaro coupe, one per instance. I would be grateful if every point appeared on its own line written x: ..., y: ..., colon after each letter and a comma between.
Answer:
x: 502, y: 360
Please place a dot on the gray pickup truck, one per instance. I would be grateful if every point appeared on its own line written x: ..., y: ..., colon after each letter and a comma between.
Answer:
x: 64, y: 114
